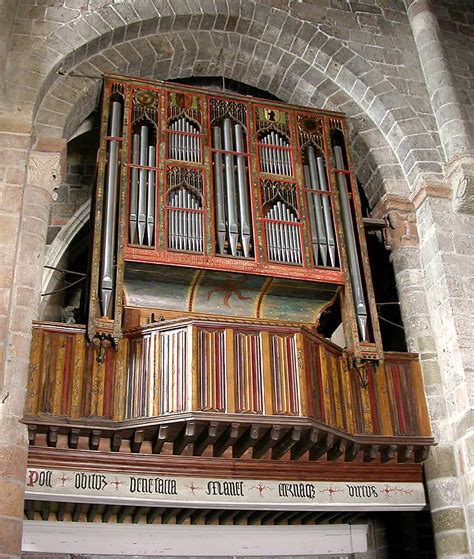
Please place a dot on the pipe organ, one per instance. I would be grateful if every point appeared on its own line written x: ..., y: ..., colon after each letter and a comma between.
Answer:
x: 223, y: 228
x: 213, y: 181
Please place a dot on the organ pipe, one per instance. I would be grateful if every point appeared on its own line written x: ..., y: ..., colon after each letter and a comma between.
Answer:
x: 352, y: 256
x: 243, y: 191
x: 107, y: 279
x: 232, y: 223
x: 134, y: 188
x: 142, y: 184
x: 150, y: 213
x: 219, y: 190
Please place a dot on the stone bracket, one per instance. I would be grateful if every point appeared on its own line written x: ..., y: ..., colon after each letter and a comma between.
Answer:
x: 460, y: 173
x: 47, y: 169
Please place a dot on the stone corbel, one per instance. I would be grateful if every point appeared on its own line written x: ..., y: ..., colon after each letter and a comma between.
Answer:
x: 460, y: 174
x: 47, y: 165
x: 399, y: 216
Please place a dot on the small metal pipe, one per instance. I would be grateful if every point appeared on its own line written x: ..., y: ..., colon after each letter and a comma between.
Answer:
x: 233, y: 227
x: 351, y: 246
x: 313, y: 172
x: 328, y: 222
x: 134, y: 188
x: 107, y: 276
x: 150, y: 214
x: 142, y: 184
x: 243, y: 191
x: 180, y: 220
x: 219, y: 190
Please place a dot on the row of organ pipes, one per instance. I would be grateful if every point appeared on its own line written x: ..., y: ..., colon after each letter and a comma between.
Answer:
x: 185, y: 231
x: 274, y: 151
x: 232, y: 202
x: 283, y: 239
x: 184, y: 140
x: 142, y: 188
x: 321, y: 223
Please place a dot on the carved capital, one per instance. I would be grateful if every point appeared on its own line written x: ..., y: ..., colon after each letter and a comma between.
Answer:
x: 400, y: 222
x: 47, y: 170
x: 460, y: 173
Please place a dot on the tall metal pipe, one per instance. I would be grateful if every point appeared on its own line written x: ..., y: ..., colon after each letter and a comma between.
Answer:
x: 242, y: 182
x: 351, y: 246
x: 328, y: 222
x: 233, y: 227
x: 313, y: 172
x: 150, y: 212
x: 180, y: 220
x: 134, y: 188
x: 142, y: 184
x: 311, y: 216
x: 219, y: 189
x: 107, y: 276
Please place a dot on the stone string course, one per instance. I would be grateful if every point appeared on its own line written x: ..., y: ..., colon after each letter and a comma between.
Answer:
x: 401, y: 70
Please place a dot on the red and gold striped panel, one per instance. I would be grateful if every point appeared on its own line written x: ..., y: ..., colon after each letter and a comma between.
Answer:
x: 212, y: 370
x: 173, y: 378
x: 285, y: 375
x: 248, y: 373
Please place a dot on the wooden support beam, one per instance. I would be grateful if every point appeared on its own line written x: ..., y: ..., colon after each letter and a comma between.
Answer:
x: 247, y: 440
x: 313, y: 517
x: 308, y: 440
x: 388, y: 453
x: 29, y: 510
x: 123, y: 513
x: 32, y: 434
x: 272, y: 516
x: 116, y: 442
x: 352, y: 451
x: 60, y: 512
x: 76, y: 512
x: 299, y: 516
x: 187, y: 436
x: 137, y: 440
x: 94, y: 439
x: 52, y: 437
x: 92, y: 512
x: 370, y: 452
x: 169, y: 514
x: 198, y: 514
x: 256, y: 516
x: 183, y: 515
x: 228, y: 438
x: 160, y: 438
x: 44, y: 510
x: 207, y: 437
x: 138, y: 513
x: 153, y: 514
x: 213, y: 514
x: 321, y: 447
x: 269, y: 439
x: 73, y: 438
x: 337, y: 450
x: 109, y: 511
x: 404, y: 453
x: 242, y: 516
x: 228, y: 515
x: 422, y: 453
x: 286, y: 443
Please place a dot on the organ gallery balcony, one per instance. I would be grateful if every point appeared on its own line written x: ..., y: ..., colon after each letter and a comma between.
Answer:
x: 220, y: 387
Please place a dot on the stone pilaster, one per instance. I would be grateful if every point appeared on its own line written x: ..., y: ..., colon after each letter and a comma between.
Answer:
x: 43, y: 174
x: 431, y: 276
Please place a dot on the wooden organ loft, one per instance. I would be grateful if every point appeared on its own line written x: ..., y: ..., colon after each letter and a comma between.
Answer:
x: 224, y: 227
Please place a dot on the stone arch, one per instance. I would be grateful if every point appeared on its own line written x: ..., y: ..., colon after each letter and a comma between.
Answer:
x: 309, y: 66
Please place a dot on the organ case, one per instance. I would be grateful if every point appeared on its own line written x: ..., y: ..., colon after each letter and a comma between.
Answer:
x: 236, y: 185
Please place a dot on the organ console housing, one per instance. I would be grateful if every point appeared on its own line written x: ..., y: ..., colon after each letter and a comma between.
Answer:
x: 224, y: 226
